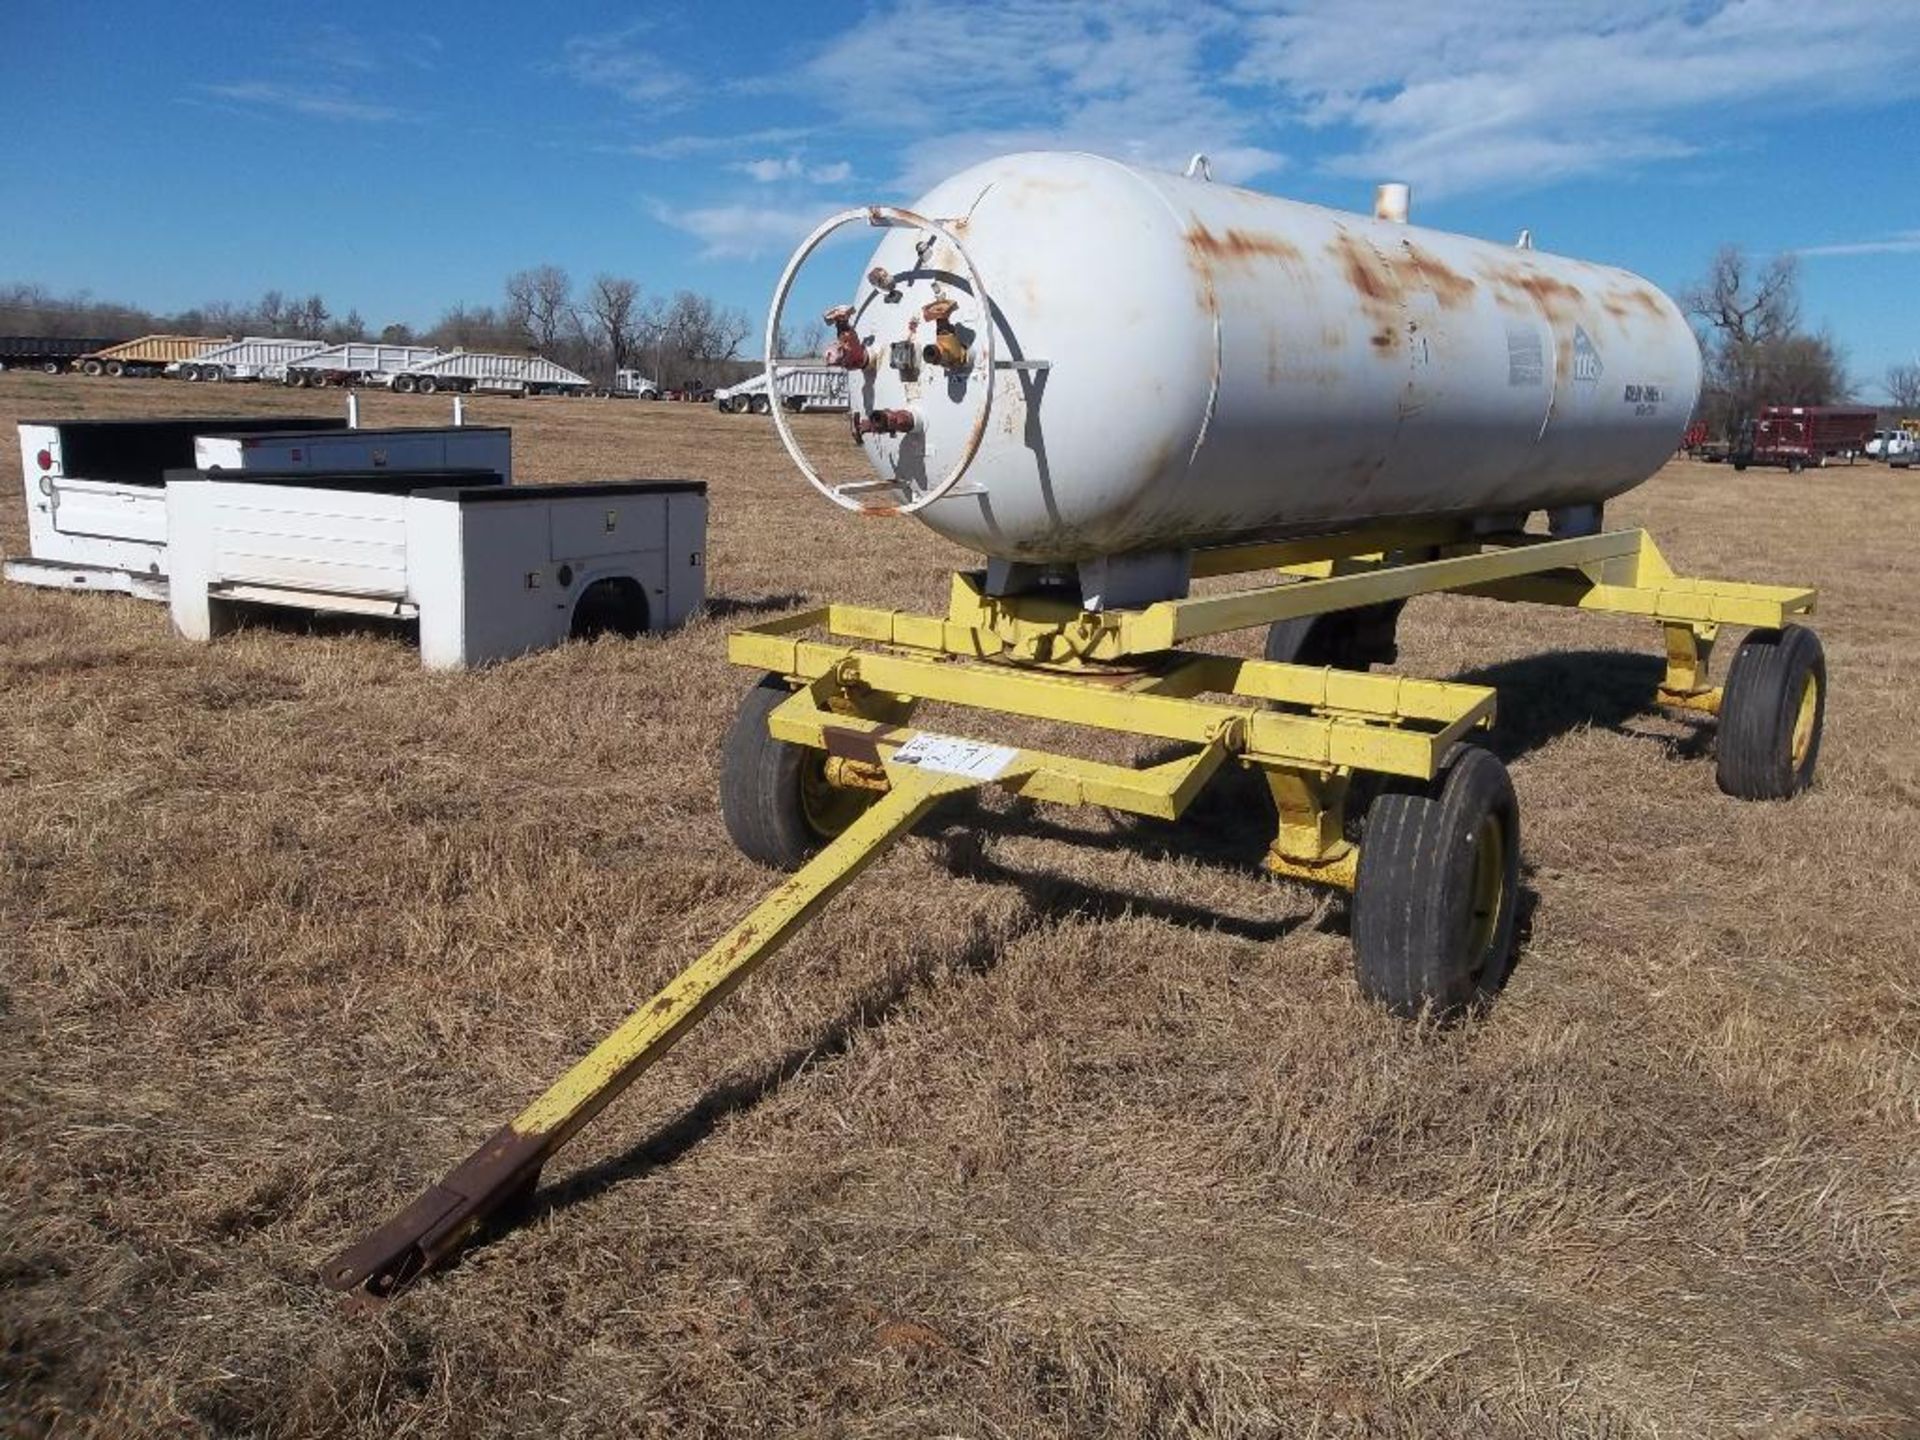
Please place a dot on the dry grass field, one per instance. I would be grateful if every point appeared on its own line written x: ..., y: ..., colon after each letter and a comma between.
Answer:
x: 1045, y: 1128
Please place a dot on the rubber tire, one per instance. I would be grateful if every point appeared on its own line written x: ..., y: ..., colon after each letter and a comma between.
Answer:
x: 1413, y: 894
x: 1795, y: 466
x: 213, y: 374
x: 404, y: 384
x: 1346, y: 639
x: 1758, y: 711
x: 90, y: 367
x: 760, y: 781
x: 115, y: 369
x: 427, y: 385
x: 761, y: 405
x: 1740, y: 465
x: 50, y: 367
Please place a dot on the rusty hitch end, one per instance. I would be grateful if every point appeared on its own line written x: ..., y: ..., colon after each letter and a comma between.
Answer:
x: 498, y: 1177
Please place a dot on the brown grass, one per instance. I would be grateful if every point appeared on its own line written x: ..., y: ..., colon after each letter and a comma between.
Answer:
x: 1045, y: 1131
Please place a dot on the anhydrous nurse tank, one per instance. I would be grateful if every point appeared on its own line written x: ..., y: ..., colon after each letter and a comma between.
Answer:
x: 1057, y: 357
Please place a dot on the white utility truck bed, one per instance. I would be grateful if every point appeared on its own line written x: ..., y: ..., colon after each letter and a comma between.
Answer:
x: 488, y: 571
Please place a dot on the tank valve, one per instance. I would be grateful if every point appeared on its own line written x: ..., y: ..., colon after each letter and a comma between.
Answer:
x: 883, y: 281
x: 947, y: 350
x: 882, y: 422
x: 845, y: 349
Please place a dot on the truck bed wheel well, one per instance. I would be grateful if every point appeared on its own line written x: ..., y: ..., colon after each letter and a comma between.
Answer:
x: 616, y: 605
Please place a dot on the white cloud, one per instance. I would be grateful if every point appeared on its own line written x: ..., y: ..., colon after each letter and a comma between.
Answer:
x: 1902, y: 242
x: 617, y: 62
x: 743, y: 230
x: 322, y: 103
x: 792, y: 167
x: 1136, y: 79
x: 1513, y: 93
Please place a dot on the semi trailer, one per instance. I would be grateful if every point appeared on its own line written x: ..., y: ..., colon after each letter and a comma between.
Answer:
x: 256, y: 357
x: 471, y: 371
x: 149, y: 355
x: 359, y: 362
x: 802, y: 386
x: 47, y: 353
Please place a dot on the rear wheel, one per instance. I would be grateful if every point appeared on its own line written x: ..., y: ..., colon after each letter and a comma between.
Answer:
x: 50, y: 367
x: 1346, y: 639
x: 1437, y: 888
x: 1772, y: 715
x: 404, y: 384
x: 778, y: 805
x: 212, y: 373
x: 1796, y: 465
x: 116, y: 368
x: 761, y: 405
x: 427, y: 385
x: 90, y: 367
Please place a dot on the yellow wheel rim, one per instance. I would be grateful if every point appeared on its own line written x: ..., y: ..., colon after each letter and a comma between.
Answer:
x: 1489, y: 888
x: 1804, y: 718
x: 829, y: 808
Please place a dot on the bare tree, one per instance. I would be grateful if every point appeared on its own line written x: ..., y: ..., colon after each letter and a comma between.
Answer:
x: 699, y: 331
x: 309, y: 318
x: 1903, y: 386
x: 540, y: 303
x: 612, y: 302
x: 1756, y: 352
x: 396, y: 334
x: 271, y: 314
x: 1747, y: 310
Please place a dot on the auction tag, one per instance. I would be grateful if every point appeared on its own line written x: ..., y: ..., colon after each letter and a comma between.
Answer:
x: 953, y: 756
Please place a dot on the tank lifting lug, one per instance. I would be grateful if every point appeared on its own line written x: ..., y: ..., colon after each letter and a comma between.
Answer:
x: 846, y: 349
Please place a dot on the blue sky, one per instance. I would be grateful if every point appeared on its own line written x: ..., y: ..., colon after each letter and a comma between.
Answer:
x: 402, y: 158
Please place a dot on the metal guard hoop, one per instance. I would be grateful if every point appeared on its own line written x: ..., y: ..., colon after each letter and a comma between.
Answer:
x: 887, y: 216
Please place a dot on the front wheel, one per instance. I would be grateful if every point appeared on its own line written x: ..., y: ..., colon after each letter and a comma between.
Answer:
x: 1772, y: 714
x: 778, y: 805
x: 1437, y: 890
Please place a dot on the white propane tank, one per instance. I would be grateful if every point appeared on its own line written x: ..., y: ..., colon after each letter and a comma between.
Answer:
x: 1173, y: 362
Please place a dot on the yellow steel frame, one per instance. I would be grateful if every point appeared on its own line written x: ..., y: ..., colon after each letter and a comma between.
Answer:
x: 858, y: 672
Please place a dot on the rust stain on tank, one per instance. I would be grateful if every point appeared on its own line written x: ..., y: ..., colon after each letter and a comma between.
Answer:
x: 1558, y: 300
x: 1366, y: 273
x: 1383, y: 339
x: 1241, y: 246
x: 1450, y: 288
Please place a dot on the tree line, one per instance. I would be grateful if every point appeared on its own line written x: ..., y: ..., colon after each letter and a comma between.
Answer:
x: 607, y: 325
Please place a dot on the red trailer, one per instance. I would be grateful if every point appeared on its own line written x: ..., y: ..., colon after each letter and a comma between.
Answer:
x: 1800, y: 435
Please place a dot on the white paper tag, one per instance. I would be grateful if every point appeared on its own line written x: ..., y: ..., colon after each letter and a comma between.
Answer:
x: 952, y: 756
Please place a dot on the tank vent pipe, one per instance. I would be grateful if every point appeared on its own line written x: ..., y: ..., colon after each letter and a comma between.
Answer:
x: 1391, y: 201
